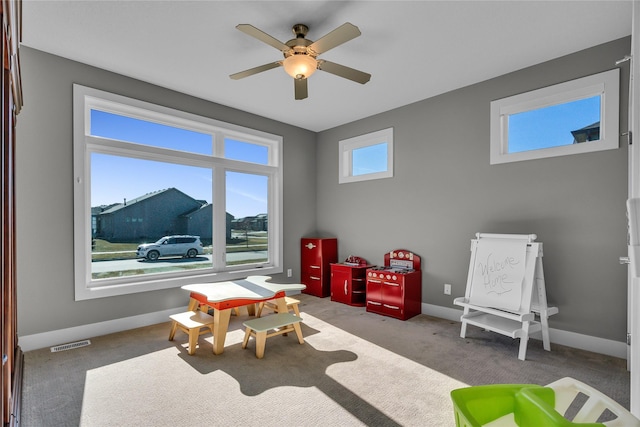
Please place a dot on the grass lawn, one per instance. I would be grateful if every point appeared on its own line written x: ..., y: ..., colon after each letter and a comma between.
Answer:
x: 105, y: 250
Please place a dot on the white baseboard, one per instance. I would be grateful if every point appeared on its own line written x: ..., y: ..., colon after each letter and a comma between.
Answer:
x: 557, y: 336
x: 63, y: 336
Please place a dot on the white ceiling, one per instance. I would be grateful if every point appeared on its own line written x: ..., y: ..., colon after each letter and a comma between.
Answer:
x: 413, y: 49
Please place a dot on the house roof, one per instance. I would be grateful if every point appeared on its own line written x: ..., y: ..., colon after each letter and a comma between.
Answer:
x: 144, y: 197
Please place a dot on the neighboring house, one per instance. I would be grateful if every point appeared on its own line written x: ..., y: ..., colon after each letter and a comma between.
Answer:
x: 157, y: 214
x: 95, y: 213
x: 260, y: 223
x: 199, y: 223
x: 587, y: 133
x: 253, y: 223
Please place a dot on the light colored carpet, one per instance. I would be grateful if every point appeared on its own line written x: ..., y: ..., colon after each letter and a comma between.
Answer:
x: 355, y: 368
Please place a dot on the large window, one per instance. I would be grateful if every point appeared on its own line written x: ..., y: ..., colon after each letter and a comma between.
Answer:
x: 164, y: 198
x: 578, y: 116
x: 366, y: 157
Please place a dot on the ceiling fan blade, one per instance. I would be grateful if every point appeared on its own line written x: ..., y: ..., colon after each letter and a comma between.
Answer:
x: 300, y: 87
x: 340, y: 35
x: 256, y: 70
x: 263, y: 37
x: 342, y: 71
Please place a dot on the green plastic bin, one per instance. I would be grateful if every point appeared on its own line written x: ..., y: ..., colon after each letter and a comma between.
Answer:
x: 531, y: 405
x: 480, y: 405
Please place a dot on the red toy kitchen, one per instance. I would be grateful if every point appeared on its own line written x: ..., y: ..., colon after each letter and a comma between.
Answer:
x: 395, y: 290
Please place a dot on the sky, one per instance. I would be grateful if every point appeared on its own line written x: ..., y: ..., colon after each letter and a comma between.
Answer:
x: 551, y: 126
x: 116, y: 178
x: 370, y: 159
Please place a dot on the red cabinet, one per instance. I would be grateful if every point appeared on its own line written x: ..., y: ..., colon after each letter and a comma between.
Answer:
x: 316, y: 256
x: 348, y: 284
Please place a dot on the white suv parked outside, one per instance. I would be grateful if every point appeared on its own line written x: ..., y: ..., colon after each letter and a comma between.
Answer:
x: 184, y: 246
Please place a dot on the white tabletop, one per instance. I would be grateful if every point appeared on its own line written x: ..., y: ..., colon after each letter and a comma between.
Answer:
x: 253, y: 288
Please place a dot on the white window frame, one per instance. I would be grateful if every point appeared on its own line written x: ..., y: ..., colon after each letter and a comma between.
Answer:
x: 606, y: 85
x: 347, y: 146
x: 84, y: 100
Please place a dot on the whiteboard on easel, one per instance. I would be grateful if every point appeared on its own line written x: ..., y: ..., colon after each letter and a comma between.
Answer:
x: 498, y: 274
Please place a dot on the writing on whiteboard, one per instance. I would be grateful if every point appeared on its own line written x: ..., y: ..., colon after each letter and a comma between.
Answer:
x: 496, y: 273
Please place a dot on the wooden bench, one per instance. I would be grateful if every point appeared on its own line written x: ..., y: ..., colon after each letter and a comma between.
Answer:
x: 193, y: 324
x: 292, y: 303
x: 281, y: 323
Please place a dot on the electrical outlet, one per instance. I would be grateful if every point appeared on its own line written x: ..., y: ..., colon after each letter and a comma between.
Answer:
x: 447, y: 289
x: 289, y: 272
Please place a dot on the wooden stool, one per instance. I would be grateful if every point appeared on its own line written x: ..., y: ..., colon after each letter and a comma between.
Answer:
x: 192, y: 323
x: 281, y: 322
x: 291, y: 303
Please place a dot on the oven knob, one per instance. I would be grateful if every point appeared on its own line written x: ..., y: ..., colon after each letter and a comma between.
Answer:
x: 394, y: 277
x: 388, y: 276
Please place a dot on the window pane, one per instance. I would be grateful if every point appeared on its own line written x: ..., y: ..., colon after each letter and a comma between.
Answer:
x: 137, y: 195
x: 128, y: 129
x: 247, y: 196
x: 134, y: 202
x: 246, y: 151
x: 562, y: 124
x: 370, y: 159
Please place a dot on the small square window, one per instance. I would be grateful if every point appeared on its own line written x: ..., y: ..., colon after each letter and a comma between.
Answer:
x: 366, y: 157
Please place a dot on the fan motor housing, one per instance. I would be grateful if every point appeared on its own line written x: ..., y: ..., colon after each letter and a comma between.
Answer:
x: 298, y: 47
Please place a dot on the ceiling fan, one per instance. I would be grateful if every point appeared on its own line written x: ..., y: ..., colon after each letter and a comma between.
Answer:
x: 300, y: 55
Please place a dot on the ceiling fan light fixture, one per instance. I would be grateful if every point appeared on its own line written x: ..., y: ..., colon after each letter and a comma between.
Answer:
x: 300, y: 66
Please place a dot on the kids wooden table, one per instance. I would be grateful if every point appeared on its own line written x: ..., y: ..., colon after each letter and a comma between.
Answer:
x: 225, y: 296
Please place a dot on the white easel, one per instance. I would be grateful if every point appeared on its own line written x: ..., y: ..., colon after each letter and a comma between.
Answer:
x: 513, y: 323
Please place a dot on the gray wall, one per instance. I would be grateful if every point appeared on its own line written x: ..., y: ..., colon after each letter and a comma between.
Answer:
x: 444, y: 191
x: 44, y: 192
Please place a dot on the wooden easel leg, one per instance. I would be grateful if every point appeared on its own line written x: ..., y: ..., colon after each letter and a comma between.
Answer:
x: 544, y: 322
x: 524, y: 340
x: 522, y: 353
x: 463, y: 328
x: 542, y: 301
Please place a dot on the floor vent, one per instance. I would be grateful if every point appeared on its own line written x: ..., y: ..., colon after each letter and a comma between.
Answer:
x: 70, y: 346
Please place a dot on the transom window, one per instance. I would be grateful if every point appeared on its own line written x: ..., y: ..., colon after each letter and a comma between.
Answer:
x: 578, y: 116
x: 163, y: 198
x: 366, y: 157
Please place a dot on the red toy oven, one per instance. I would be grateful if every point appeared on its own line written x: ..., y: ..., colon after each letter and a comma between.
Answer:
x: 395, y: 290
